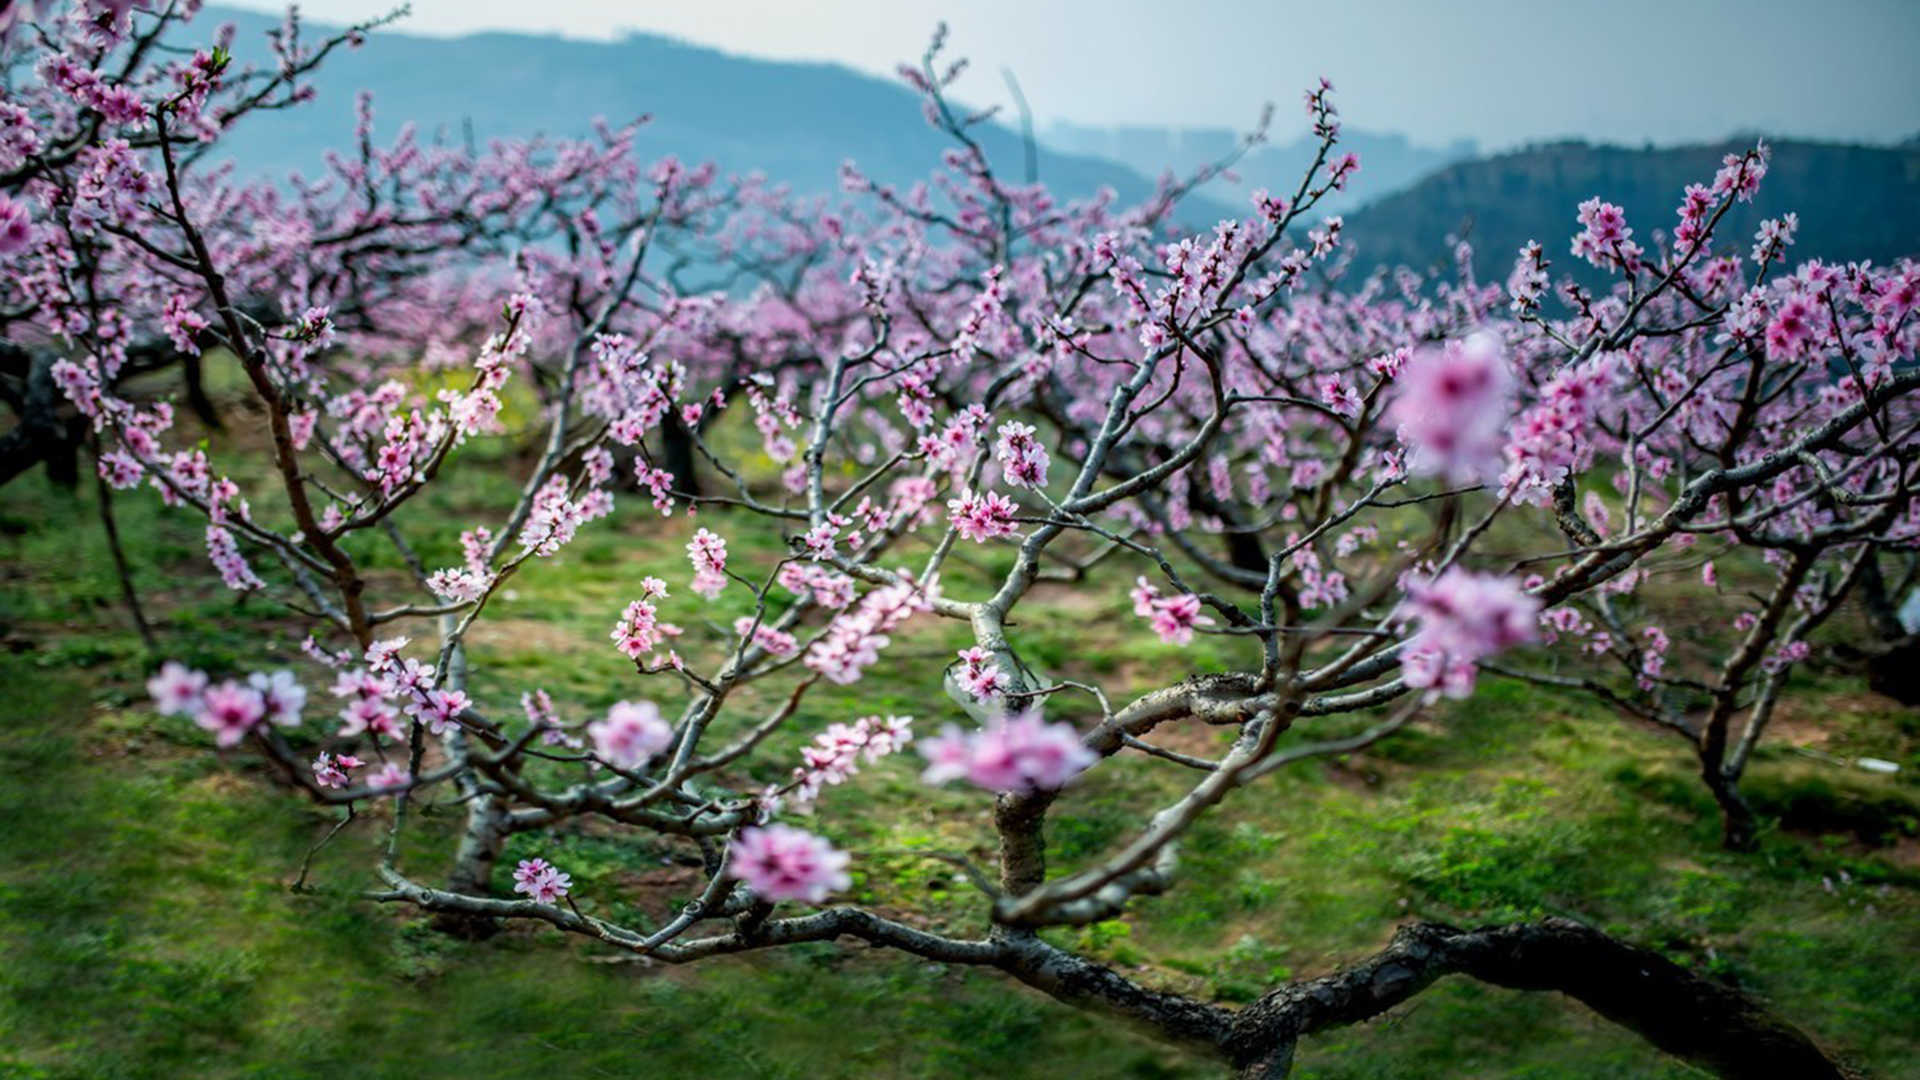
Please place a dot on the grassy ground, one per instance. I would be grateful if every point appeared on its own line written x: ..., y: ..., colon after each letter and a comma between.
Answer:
x: 147, y: 930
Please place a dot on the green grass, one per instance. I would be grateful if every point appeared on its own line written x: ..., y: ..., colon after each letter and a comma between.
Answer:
x: 146, y: 926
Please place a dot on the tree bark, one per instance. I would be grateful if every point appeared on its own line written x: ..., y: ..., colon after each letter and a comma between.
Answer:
x: 487, y: 827
x: 193, y: 375
x: 43, y: 434
x: 678, y: 454
x: 1021, y: 820
x: 1709, y: 1025
x: 473, y: 862
x: 1739, y: 829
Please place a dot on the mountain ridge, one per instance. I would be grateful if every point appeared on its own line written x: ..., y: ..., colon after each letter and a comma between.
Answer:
x: 796, y: 121
x: 1854, y: 202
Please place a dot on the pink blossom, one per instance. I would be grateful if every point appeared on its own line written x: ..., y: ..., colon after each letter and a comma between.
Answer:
x: 120, y: 469
x: 556, y: 517
x: 541, y: 881
x: 458, y: 584
x: 835, y: 753
x: 383, y: 654
x: 980, y: 675
x: 632, y: 733
x: 1430, y: 669
x: 176, y: 689
x: 949, y: 755
x: 541, y: 714
x: 1774, y: 237
x: 708, y: 552
x: 1653, y: 657
x: 1336, y: 394
x: 817, y: 584
x: 853, y: 640
x: 775, y: 641
x: 181, y: 324
x: 370, y: 714
x: 1785, y: 655
x: 281, y: 695
x: 780, y: 862
x: 1353, y: 539
x: 1528, y: 281
x: 439, y: 709
x: 1553, y: 437
x: 1013, y: 753
x: 1604, y: 239
x: 1144, y: 594
x: 638, y: 633
x: 1175, y: 618
x: 980, y: 518
x: 1740, y: 174
x: 367, y: 708
x: 819, y: 542
x: 227, y: 559
x: 1452, y: 407
x: 230, y: 710
x: 1023, y: 460
x: 1321, y: 590
x: 1796, y: 326
x: 390, y: 778
x: 1339, y: 172
x: 16, y: 228
x: 332, y: 771
x: 1462, y: 618
x: 300, y: 426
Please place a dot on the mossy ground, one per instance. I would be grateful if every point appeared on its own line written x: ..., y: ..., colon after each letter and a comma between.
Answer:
x: 147, y: 928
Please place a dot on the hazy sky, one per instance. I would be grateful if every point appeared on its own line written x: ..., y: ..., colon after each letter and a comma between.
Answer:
x: 1501, y: 71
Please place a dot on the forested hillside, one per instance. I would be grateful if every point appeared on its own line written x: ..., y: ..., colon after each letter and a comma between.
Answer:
x: 1854, y: 202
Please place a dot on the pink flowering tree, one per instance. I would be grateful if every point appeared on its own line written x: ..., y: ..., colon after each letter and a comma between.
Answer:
x: 83, y: 90
x: 1373, y: 493
x: 110, y: 140
x: 1631, y: 448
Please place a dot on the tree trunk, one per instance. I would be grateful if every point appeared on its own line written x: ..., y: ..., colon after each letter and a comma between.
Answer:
x: 193, y: 373
x: 678, y: 454
x: 44, y: 434
x: 1243, y: 547
x: 473, y: 863
x: 1739, y: 829
x: 1895, y: 670
x: 487, y: 823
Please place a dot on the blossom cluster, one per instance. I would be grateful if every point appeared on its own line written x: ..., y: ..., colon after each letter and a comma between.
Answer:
x: 541, y: 881
x: 835, y: 754
x: 780, y: 862
x: 230, y: 709
x: 1462, y: 618
x: 1452, y: 407
x: 1015, y: 752
x: 853, y: 640
x: 983, y: 516
x: 708, y: 553
x: 1174, y: 618
x: 632, y: 733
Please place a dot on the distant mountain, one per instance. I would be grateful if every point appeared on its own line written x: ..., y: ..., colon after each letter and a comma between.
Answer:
x: 1854, y: 202
x: 1388, y: 163
x: 796, y: 122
